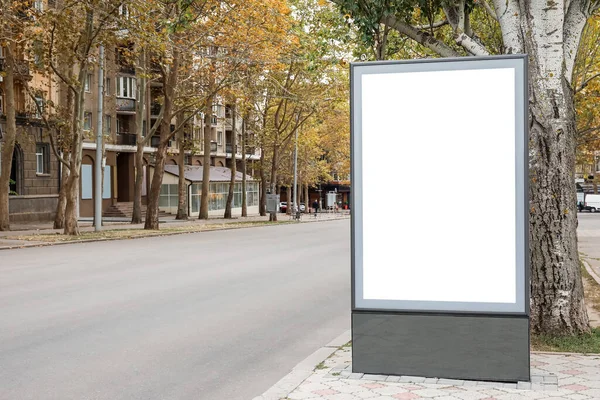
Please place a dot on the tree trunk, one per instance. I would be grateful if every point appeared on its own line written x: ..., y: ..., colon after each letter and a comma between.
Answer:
x: 206, y: 161
x: 72, y: 196
x: 182, y: 213
x: 244, y: 205
x: 273, y: 216
x: 169, y: 79
x: 288, y: 190
x: 557, y: 303
x: 72, y: 183
x: 59, y: 220
x: 152, y: 222
x: 136, y: 216
x: 307, y: 202
x: 233, y: 162
x: 8, y: 145
x: 263, y: 185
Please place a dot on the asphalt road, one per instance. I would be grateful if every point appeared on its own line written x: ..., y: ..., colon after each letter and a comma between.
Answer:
x: 217, y: 315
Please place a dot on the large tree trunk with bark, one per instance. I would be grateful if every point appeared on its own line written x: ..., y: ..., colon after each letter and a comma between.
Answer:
x: 72, y: 182
x: 59, y: 219
x: 206, y: 159
x: 182, y: 213
x: 136, y: 216
x: 72, y: 196
x: 263, y: 185
x: 306, y: 199
x: 8, y: 145
x: 557, y: 303
x: 244, y: 205
x: 233, y: 162
x: 169, y: 80
x: 275, y: 161
x: 140, y: 108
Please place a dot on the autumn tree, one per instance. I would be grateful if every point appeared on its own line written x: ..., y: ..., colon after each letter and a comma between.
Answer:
x: 550, y: 34
x: 10, y: 34
x: 586, y: 83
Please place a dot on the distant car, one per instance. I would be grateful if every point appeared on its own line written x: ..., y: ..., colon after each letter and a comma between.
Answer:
x: 302, y: 207
x: 283, y: 206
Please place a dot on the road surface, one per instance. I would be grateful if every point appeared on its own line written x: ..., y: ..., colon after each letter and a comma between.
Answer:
x: 215, y: 315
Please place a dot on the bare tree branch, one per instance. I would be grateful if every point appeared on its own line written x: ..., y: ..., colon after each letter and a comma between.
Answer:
x: 421, y: 37
x: 488, y: 9
x: 471, y: 45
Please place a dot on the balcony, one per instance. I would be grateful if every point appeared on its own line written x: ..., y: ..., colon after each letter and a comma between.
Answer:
x: 155, y: 109
x: 127, y: 69
x: 213, y: 147
x: 21, y: 71
x: 228, y: 148
x: 125, y: 106
x: 126, y: 138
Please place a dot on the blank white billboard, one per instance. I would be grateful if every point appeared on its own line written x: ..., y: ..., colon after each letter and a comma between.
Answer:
x: 439, y: 185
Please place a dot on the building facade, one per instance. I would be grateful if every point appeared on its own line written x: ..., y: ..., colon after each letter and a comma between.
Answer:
x: 36, y: 172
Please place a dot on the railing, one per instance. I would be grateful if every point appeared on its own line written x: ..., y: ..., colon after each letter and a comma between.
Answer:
x: 21, y: 70
x: 213, y: 147
x: 125, y: 104
x: 127, y: 69
x: 126, y: 138
x: 155, y: 109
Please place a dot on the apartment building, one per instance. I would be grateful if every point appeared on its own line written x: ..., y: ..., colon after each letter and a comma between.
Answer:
x: 35, y: 173
x: 119, y: 125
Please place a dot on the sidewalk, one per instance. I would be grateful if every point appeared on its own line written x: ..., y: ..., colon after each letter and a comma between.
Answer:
x: 9, y: 240
x: 555, y: 376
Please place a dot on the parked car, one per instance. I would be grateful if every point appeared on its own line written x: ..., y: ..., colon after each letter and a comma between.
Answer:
x: 302, y: 207
x: 283, y: 206
x: 592, y: 202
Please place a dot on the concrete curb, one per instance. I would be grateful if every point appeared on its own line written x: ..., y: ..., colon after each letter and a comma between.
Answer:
x: 304, y: 369
x: 591, y: 271
x: 45, y: 244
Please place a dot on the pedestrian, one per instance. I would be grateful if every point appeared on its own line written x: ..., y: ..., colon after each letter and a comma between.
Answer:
x: 315, y: 205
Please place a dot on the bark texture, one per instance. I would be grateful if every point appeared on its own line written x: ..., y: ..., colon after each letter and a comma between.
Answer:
x: 228, y: 206
x: 244, y: 205
x: 557, y: 302
x: 8, y: 145
x: 182, y: 187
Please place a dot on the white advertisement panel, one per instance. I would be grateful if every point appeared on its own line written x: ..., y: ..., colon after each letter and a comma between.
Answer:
x: 443, y: 143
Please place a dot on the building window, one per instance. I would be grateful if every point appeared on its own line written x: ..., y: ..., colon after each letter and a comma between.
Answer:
x: 107, y: 88
x: 107, y: 124
x: 39, y: 106
x: 126, y: 87
x: 124, y: 11
x: 188, y: 159
x: 42, y: 157
x: 87, y: 121
x: 88, y: 83
x: 219, y: 138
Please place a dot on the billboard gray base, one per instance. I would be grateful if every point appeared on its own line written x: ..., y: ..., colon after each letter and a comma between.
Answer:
x: 470, y: 347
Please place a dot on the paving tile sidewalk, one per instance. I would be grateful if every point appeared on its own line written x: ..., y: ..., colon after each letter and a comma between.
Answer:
x: 554, y: 377
x: 8, y: 238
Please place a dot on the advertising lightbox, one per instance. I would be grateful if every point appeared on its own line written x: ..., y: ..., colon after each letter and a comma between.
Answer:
x: 440, y: 185
x: 440, y: 252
